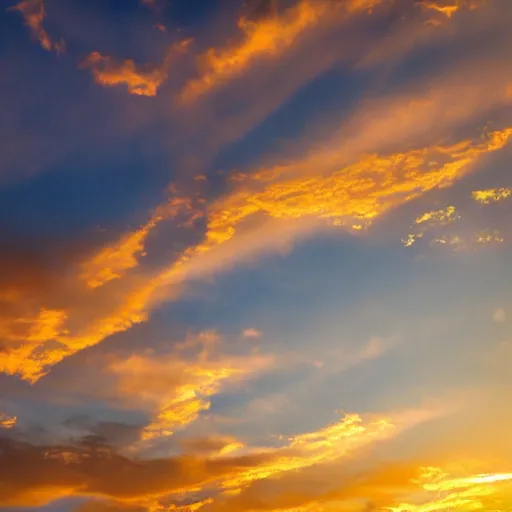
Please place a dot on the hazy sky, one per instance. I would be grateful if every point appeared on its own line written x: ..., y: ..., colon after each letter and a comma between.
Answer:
x: 255, y: 256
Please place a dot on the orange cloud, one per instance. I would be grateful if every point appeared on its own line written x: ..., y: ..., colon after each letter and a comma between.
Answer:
x: 33, y: 12
x: 444, y: 492
x: 139, y: 80
x: 265, y: 38
x: 112, y: 262
x: 178, y: 386
x: 37, y: 475
x: 7, y: 422
x: 266, y: 209
x: 448, y: 9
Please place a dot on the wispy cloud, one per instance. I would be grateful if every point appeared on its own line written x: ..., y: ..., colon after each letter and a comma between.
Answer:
x: 265, y: 38
x: 33, y: 12
x: 177, y: 386
x: 141, y: 80
x: 44, y: 473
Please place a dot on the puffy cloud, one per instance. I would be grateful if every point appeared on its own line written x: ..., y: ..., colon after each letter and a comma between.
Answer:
x: 33, y: 12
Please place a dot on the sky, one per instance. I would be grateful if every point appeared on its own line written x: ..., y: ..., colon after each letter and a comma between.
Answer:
x: 255, y: 256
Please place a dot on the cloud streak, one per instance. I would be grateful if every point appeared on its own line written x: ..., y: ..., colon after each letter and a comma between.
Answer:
x: 33, y: 12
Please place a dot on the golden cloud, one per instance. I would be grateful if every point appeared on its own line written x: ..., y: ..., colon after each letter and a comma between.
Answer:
x: 139, y: 80
x: 33, y: 12
x: 177, y: 387
x: 491, y: 195
x: 238, y: 227
x: 112, y: 262
x: 428, y: 220
x: 37, y: 475
x: 265, y: 38
x: 442, y: 491
x: 7, y: 421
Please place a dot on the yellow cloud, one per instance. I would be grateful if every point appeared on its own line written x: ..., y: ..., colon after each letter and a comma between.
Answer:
x: 448, y: 9
x: 491, y: 195
x: 444, y: 492
x: 330, y: 444
x: 485, y: 238
x: 113, y: 261
x: 428, y: 220
x: 443, y: 216
x: 33, y: 12
x: 7, y: 421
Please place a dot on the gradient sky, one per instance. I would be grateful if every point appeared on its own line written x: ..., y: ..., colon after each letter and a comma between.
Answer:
x: 255, y: 256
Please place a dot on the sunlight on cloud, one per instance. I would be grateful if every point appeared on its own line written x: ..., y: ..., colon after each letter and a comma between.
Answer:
x: 268, y: 37
x: 139, y: 80
x: 112, y: 262
x: 107, y: 72
x: 444, y: 492
x: 331, y: 443
x: 7, y: 422
x: 492, y: 195
x: 359, y: 192
x: 33, y: 12
x: 429, y: 220
x: 178, y: 385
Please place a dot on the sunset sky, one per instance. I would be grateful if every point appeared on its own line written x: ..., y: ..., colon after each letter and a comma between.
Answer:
x: 255, y: 256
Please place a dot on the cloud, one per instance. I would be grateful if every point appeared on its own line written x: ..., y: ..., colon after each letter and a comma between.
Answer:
x: 250, y: 332
x: 113, y: 261
x: 36, y: 475
x: 266, y: 212
x: 491, y: 195
x: 177, y: 387
x: 367, y: 168
x: 265, y: 38
x: 139, y: 80
x: 429, y: 220
x: 33, y: 12
x: 441, y: 491
x: 7, y: 422
x: 499, y: 315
